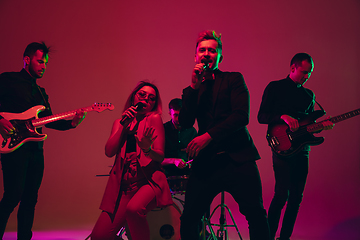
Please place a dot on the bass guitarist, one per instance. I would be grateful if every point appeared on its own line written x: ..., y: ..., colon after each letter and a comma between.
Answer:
x: 287, y: 101
x: 23, y: 168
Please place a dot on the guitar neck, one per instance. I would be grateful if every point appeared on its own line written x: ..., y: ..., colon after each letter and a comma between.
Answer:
x: 318, y: 126
x: 45, y: 120
x: 345, y: 116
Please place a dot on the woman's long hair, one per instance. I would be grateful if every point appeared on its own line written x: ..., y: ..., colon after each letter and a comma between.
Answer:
x: 130, y: 101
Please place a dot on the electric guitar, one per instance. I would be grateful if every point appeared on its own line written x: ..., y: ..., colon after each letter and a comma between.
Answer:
x: 284, y: 142
x: 25, y: 124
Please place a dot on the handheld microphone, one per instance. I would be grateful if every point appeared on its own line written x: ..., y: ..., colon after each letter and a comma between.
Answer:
x: 206, y: 66
x: 138, y: 107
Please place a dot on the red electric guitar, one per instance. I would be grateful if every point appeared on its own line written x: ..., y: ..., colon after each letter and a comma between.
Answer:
x: 25, y: 124
x: 284, y: 142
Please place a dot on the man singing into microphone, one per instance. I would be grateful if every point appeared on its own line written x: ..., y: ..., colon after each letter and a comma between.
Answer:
x: 224, y: 152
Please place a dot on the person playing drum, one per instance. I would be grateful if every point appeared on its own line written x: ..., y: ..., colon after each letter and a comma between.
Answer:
x: 176, y: 140
x: 137, y: 183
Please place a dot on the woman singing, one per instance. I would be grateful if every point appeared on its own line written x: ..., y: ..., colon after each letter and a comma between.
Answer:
x: 136, y: 183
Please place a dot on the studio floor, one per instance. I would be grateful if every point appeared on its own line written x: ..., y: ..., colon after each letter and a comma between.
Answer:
x: 83, y: 234
x: 52, y: 235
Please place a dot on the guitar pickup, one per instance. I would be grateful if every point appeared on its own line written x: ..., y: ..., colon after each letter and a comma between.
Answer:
x: 274, y: 141
x: 290, y: 137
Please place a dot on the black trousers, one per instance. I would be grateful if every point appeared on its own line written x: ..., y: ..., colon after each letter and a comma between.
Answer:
x: 290, y: 179
x: 22, y: 173
x: 221, y: 173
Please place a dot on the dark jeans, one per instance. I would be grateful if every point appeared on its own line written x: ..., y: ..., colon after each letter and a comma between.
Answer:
x: 22, y: 173
x: 242, y: 181
x: 290, y: 180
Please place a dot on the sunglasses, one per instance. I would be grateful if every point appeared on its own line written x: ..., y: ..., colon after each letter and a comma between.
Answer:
x: 144, y: 95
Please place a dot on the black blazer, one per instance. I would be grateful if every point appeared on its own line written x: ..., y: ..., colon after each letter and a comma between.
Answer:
x: 226, y: 122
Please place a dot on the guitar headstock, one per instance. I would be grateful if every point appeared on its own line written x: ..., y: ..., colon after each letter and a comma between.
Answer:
x: 99, y: 107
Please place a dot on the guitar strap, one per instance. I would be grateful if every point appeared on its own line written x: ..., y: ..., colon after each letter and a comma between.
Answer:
x: 47, y: 105
x: 322, y: 109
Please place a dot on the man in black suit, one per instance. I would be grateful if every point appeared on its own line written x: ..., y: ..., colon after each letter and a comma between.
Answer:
x: 224, y: 152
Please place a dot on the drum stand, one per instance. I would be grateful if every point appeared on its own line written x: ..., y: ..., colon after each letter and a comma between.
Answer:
x: 222, y: 231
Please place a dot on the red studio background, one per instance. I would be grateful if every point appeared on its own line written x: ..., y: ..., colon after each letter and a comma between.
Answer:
x: 101, y: 49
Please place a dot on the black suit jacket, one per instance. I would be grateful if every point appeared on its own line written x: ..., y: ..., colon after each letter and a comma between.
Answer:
x: 226, y: 121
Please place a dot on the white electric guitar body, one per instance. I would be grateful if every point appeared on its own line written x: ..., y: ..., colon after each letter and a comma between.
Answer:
x: 25, y: 124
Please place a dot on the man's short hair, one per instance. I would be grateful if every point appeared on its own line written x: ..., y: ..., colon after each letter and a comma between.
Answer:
x: 34, y: 46
x: 175, y: 104
x: 299, y: 57
x: 208, y: 35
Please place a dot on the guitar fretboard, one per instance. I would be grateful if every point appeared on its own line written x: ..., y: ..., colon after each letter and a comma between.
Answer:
x: 345, y: 116
x: 318, y: 126
x: 42, y: 121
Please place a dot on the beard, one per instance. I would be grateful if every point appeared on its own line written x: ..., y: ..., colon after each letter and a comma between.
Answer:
x: 35, y: 74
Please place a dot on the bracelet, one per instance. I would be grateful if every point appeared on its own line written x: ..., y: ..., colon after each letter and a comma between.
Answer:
x: 147, y: 152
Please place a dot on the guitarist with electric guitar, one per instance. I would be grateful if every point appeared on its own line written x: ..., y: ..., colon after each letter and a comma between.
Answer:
x: 23, y: 163
x: 287, y: 107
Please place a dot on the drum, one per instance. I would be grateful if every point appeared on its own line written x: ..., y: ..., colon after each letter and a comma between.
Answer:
x: 177, y: 184
x: 164, y: 223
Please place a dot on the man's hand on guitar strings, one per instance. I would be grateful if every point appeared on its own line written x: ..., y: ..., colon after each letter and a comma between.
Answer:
x: 291, y: 122
x: 327, y: 125
x: 80, y: 115
x: 6, y: 128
